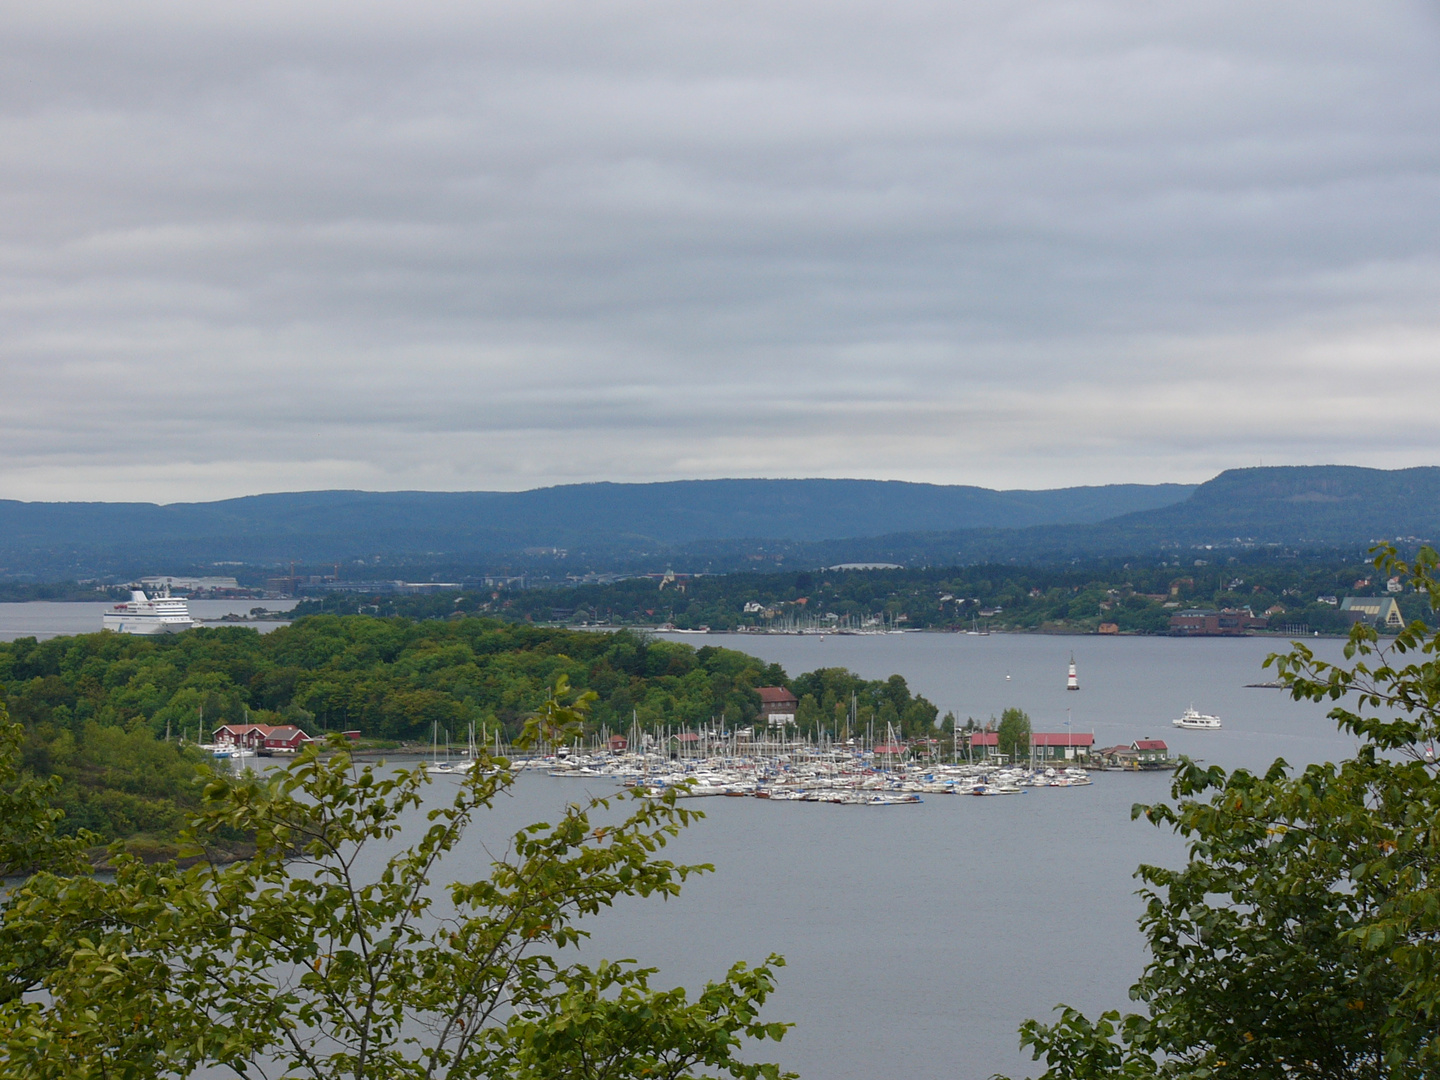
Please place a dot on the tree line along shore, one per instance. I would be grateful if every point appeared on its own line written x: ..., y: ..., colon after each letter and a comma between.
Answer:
x: 117, y: 719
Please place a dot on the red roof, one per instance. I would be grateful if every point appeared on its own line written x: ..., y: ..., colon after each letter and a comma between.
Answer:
x: 889, y: 748
x: 1062, y: 738
x: 688, y: 736
x: 983, y: 738
x: 775, y: 695
x: 1150, y: 744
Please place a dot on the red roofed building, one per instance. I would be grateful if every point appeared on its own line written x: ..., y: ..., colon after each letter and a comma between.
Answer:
x: 245, y: 736
x: 287, y: 738
x: 777, y: 705
x: 1151, y: 753
x: 1066, y: 745
x: 982, y: 744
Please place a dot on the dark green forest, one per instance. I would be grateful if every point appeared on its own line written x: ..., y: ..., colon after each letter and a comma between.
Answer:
x: 97, y: 708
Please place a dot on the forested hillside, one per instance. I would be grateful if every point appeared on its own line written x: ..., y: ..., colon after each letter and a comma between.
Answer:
x: 96, y: 708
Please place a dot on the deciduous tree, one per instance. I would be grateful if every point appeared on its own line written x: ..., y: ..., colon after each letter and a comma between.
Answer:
x: 322, y: 957
x: 1302, y: 936
x: 1013, y: 734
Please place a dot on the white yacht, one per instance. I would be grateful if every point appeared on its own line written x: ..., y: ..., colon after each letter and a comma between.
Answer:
x: 1198, y: 720
x: 144, y: 615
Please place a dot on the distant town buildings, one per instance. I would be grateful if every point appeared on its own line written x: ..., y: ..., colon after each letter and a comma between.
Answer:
x: 190, y: 585
x: 1227, y: 622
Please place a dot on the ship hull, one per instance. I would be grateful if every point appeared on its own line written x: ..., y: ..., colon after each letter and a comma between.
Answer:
x: 141, y: 624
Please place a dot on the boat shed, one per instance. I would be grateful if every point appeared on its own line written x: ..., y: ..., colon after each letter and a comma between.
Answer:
x: 983, y: 745
x: 244, y: 736
x: 1151, y: 753
x: 1120, y: 757
x: 1061, y: 745
x: 287, y: 739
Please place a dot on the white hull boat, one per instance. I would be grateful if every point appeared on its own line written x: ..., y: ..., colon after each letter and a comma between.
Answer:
x: 1197, y: 721
x: 146, y: 615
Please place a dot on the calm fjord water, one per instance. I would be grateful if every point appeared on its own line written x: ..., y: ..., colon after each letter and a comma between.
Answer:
x: 919, y: 937
x: 47, y: 619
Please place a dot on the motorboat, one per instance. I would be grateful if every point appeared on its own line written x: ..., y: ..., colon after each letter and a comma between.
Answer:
x: 1197, y: 721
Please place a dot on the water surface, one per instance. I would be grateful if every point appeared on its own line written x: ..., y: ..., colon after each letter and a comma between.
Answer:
x: 49, y: 618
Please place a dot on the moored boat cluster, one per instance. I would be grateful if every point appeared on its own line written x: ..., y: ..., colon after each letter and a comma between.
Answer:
x: 846, y: 779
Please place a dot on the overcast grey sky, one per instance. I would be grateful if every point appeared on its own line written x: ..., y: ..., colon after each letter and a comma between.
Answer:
x: 271, y: 246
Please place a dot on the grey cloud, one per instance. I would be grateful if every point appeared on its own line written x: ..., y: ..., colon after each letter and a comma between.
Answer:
x: 508, y: 244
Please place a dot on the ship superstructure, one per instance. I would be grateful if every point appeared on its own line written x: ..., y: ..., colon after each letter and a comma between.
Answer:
x: 162, y: 614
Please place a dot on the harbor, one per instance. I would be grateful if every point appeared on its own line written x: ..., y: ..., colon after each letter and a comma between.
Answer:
x: 840, y: 778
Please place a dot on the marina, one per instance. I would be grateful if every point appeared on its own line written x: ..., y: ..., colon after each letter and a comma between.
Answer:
x: 838, y: 778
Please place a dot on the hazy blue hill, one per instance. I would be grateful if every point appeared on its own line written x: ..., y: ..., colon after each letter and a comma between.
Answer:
x: 1322, y: 506
x: 720, y: 525
x: 607, y: 518
x: 1314, y: 504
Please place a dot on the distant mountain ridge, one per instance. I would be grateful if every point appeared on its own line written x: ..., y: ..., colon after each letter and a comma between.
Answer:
x: 722, y: 525
x: 1315, y: 507
x: 603, y: 518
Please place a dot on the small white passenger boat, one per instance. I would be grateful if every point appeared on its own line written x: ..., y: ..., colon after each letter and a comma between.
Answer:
x: 1196, y: 721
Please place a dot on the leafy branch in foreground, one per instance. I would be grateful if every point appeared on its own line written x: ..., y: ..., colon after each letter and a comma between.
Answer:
x: 1302, y: 937
x: 331, y: 954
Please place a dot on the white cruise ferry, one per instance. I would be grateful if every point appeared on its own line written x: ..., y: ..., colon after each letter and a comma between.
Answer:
x: 143, y: 615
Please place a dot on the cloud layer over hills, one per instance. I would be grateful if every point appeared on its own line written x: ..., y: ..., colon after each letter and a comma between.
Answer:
x: 266, y: 246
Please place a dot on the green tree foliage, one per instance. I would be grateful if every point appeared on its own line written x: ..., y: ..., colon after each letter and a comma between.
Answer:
x: 1302, y: 937
x: 95, y: 708
x: 831, y: 692
x: 388, y: 678
x: 323, y: 957
x: 1013, y: 734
